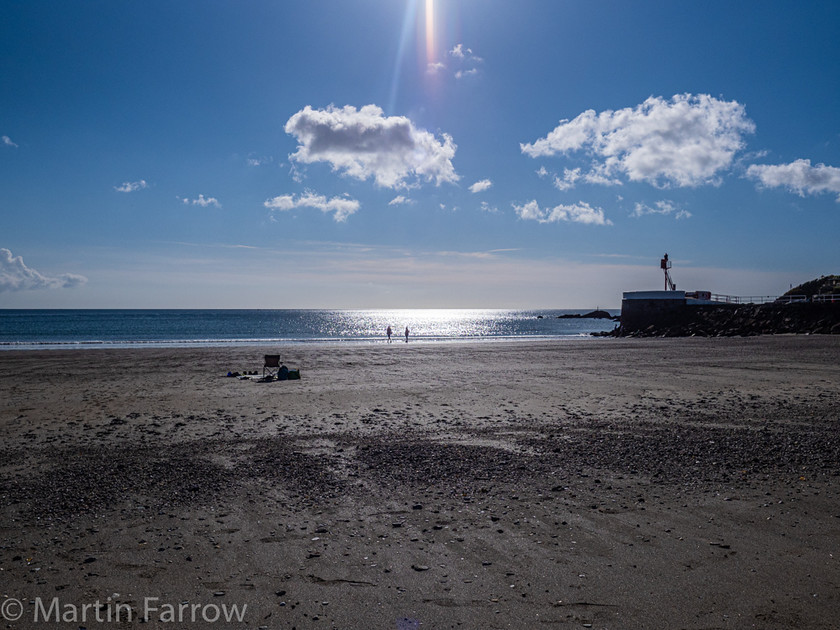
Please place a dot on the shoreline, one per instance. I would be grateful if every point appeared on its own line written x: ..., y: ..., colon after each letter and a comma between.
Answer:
x: 617, y: 483
x: 262, y: 343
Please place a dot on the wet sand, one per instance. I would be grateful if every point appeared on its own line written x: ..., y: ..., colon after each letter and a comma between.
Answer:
x: 615, y: 483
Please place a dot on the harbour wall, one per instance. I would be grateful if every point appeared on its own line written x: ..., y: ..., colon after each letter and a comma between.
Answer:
x: 677, y: 316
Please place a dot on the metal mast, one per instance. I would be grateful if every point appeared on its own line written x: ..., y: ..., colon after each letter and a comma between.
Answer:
x: 665, y: 265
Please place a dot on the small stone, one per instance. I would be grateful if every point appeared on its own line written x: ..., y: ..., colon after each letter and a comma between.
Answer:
x: 419, y: 567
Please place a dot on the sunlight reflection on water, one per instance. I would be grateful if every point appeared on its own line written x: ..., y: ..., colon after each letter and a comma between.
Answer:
x: 187, y: 328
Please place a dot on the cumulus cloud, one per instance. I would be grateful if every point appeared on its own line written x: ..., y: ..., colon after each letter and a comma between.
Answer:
x: 567, y: 182
x: 465, y: 60
x: 481, y: 186
x: 798, y: 176
x: 570, y: 177
x: 486, y: 207
x: 685, y: 141
x: 459, y: 51
x: 341, y: 207
x: 7, y: 141
x: 435, y: 67
x: 127, y: 187
x: 364, y: 143
x: 16, y: 276
x: 663, y: 207
x: 580, y: 212
x: 202, y: 201
x: 258, y: 161
x: 400, y: 200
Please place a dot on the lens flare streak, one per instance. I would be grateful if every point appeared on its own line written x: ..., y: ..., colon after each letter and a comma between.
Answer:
x: 430, y: 32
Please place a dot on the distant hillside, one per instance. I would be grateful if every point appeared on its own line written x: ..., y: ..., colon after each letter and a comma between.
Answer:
x: 821, y: 286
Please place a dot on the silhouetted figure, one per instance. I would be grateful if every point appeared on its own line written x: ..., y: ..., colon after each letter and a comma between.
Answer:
x: 406, y: 334
x: 388, y: 332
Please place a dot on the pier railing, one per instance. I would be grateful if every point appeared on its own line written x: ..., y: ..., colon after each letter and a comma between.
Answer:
x: 768, y: 299
x: 744, y: 299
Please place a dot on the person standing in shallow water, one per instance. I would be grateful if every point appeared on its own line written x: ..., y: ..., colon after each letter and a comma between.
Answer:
x: 406, y: 334
x: 388, y: 332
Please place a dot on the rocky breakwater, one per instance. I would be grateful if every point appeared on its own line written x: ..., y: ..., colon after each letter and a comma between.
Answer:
x: 729, y: 320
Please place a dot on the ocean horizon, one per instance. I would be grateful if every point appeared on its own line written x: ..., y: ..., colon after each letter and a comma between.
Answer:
x: 22, y: 329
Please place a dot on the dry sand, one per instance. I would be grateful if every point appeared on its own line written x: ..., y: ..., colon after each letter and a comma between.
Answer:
x: 658, y: 483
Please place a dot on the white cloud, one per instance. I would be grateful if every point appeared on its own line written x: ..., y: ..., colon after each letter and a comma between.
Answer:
x: 570, y: 178
x: 580, y: 212
x: 8, y: 141
x: 486, y: 207
x: 202, y: 201
x: 600, y: 174
x: 400, y: 200
x: 466, y: 61
x: 258, y: 161
x: 663, y: 207
x: 798, y: 176
x: 685, y: 141
x: 435, y: 67
x: 342, y: 207
x: 567, y: 182
x: 131, y: 186
x: 530, y: 211
x: 16, y: 276
x: 458, y: 51
x: 365, y: 143
x: 462, y: 53
x: 481, y: 186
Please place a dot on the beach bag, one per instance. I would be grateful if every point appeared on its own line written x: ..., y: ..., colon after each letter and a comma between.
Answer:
x: 294, y: 375
x: 283, y: 373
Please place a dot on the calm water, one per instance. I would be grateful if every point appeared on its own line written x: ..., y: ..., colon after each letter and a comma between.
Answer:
x: 23, y: 329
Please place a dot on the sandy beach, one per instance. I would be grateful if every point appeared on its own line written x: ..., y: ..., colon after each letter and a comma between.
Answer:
x: 609, y: 483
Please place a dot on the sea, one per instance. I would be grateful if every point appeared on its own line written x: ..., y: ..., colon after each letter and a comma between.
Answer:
x: 22, y: 329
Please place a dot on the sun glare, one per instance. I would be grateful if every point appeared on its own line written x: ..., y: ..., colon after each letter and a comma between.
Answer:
x: 430, y: 31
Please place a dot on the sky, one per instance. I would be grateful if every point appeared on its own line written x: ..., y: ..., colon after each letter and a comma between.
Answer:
x: 413, y: 153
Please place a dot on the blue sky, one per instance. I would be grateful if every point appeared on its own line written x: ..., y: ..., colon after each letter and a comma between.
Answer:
x: 413, y: 153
